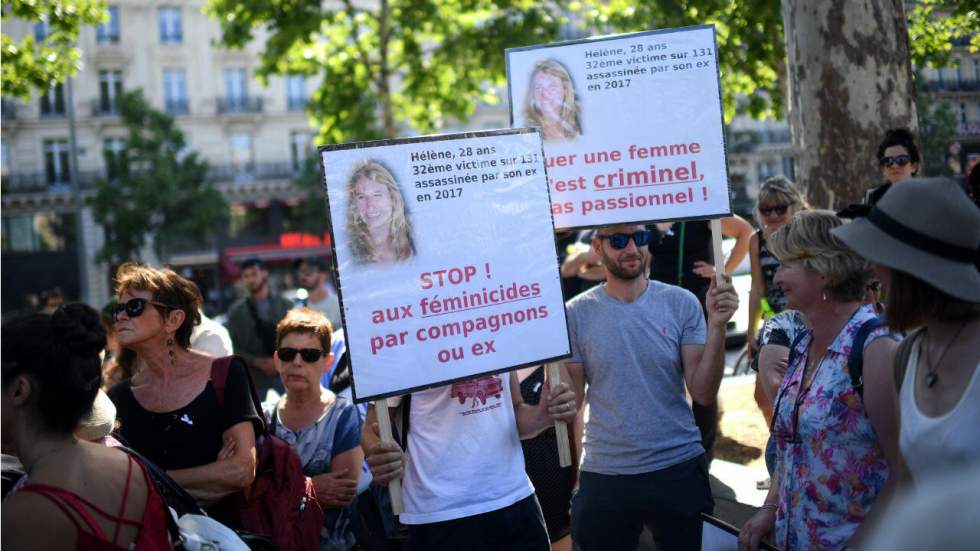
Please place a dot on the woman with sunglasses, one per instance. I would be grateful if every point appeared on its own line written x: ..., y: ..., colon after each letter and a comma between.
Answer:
x: 834, y: 441
x: 168, y: 410
x: 323, y: 428
x: 80, y: 495
x: 779, y: 199
x: 898, y: 159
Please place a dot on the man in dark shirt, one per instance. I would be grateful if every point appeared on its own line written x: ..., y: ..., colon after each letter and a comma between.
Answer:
x: 252, y: 324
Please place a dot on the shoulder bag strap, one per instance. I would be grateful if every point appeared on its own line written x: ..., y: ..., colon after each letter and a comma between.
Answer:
x: 855, y: 361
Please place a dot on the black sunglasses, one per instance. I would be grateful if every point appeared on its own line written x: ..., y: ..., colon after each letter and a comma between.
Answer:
x: 309, y: 355
x: 622, y: 240
x: 900, y: 160
x: 778, y: 209
x: 135, y: 307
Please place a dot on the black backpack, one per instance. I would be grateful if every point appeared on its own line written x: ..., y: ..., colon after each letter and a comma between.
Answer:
x: 855, y: 360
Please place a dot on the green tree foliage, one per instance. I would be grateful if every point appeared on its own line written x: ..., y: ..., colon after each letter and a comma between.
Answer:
x: 935, y: 24
x: 751, y: 48
x: 161, y: 189
x: 937, y: 129
x: 29, y: 65
x: 392, y: 66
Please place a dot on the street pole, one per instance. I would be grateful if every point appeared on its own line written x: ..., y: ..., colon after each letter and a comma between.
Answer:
x: 76, y: 190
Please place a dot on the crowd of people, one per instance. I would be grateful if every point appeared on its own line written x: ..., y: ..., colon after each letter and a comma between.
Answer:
x: 868, y: 358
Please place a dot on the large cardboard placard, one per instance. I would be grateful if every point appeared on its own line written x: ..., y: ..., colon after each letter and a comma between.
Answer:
x: 465, y: 278
x: 632, y: 125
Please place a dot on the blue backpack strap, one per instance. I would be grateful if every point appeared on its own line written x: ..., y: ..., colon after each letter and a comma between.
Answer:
x: 855, y: 361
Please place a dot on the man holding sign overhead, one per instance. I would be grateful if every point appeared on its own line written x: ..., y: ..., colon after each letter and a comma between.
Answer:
x: 637, y: 343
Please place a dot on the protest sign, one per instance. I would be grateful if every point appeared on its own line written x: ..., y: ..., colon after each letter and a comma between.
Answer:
x: 446, y: 260
x: 632, y: 125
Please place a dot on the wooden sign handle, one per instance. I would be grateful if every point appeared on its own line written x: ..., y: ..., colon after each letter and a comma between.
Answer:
x: 384, y: 427
x: 561, y: 428
x: 716, y: 247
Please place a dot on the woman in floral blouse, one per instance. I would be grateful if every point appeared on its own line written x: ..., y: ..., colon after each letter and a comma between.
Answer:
x: 834, y: 441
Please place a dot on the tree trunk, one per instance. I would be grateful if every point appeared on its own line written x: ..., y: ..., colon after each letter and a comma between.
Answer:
x: 850, y: 79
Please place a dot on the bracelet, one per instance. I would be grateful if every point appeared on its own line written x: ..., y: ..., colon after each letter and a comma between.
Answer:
x: 772, y: 506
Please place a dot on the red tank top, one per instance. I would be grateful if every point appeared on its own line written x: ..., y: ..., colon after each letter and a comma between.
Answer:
x: 152, y: 536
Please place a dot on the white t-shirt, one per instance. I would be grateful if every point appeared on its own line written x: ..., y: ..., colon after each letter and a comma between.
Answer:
x: 464, y: 456
x: 934, y: 445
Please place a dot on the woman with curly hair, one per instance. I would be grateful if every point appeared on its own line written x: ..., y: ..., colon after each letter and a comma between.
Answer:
x: 169, y: 410
x: 551, y: 103
x: 377, y: 218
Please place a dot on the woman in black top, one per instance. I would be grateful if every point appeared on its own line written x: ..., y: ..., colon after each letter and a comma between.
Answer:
x: 169, y: 411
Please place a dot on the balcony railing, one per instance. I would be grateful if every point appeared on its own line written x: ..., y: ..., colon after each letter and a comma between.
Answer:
x: 101, y: 108
x: 177, y: 106
x: 968, y: 128
x: 243, y: 104
x: 259, y: 171
x: 106, y: 36
x: 39, y: 182
x: 961, y: 85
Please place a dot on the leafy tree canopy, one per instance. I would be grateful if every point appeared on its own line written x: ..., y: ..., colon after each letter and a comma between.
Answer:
x: 29, y: 65
x: 935, y: 24
x: 160, y: 189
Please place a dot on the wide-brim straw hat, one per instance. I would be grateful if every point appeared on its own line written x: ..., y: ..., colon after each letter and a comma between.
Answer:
x: 925, y: 227
x: 100, y: 421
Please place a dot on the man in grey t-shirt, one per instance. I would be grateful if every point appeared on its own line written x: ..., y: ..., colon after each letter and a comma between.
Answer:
x: 637, y: 342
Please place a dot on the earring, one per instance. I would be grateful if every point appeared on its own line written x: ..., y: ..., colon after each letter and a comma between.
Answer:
x: 170, y: 352
x: 823, y: 295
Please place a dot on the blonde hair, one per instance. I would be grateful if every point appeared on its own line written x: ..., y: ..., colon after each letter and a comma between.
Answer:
x: 570, y: 115
x: 399, y: 228
x: 806, y: 238
x: 305, y: 320
x: 168, y: 287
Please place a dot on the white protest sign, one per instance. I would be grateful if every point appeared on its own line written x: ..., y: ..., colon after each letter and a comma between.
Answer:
x: 632, y: 125
x: 446, y: 258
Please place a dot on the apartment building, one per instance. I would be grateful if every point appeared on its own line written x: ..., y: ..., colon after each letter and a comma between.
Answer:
x: 254, y: 138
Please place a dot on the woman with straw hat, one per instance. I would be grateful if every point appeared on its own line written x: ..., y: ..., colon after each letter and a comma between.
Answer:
x: 922, y: 239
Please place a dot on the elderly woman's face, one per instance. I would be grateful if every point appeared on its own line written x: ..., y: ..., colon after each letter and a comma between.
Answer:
x: 298, y: 375
x: 549, y: 93
x: 132, y: 330
x: 374, y: 205
x: 801, y: 285
x: 892, y: 167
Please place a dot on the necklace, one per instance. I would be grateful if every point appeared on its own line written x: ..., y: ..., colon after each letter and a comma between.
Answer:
x: 932, y: 377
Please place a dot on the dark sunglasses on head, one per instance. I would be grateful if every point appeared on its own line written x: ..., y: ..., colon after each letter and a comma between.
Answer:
x: 135, y: 307
x: 309, y: 355
x: 778, y: 209
x: 900, y: 160
x: 622, y: 240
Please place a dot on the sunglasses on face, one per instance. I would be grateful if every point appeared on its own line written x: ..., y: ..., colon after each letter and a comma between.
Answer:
x: 622, y: 240
x: 135, y: 307
x: 778, y: 209
x: 309, y: 355
x: 897, y: 160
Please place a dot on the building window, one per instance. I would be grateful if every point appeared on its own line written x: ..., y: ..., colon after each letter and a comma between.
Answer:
x: 41, y: 30
x: 171, y: 29
x: 242, y: 154
x: 53, y: 102
x: 299, y: 149
x: 114, y: 154
x: 296, y: 93
x: 56, y: 162
x: 110, y: 89
x: 963, y: 116
x: 235, y: 91
x: 788, y: 169
x: 43, y: 231
x: 4, y: 159
x: 768, y: 168
x: 108, y: 31
x: 175, y: 91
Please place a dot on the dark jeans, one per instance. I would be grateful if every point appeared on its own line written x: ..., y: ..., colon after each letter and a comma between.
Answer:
x: 518, y: 527
x: 609, y: 511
